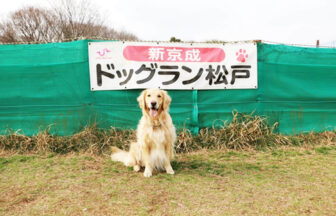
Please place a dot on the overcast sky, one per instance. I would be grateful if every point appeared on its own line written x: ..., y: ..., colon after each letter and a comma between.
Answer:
x: 285, y: 21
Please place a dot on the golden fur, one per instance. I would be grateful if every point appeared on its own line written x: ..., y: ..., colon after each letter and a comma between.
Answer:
x: 154, y: 148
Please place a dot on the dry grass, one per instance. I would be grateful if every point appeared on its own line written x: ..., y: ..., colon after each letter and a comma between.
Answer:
x: 242, y: 133
x: 90, y: 140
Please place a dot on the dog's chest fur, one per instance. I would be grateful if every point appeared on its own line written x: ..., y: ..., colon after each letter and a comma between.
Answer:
x: 154, y: 136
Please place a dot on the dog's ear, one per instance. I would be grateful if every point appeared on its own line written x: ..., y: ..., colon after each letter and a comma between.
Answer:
x: 141, y: 99
x: 166, y: 100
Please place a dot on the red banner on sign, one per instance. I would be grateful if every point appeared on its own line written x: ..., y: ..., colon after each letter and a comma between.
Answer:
x: 173, y: 54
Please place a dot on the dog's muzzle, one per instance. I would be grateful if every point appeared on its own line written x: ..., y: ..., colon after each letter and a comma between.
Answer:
x: 153, y: 111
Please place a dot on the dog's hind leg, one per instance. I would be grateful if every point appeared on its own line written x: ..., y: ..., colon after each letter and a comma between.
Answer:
x: 136, y: 167
x: 135, y: 152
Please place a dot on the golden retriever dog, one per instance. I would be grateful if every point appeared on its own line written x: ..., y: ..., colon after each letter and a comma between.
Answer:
x: 156, y: 135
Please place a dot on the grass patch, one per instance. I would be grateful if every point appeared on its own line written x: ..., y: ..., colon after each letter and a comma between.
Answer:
x: 324, y: 149
x: 284, y: 181
x: 15, y: 159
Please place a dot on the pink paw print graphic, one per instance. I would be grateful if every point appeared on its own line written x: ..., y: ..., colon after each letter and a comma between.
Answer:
x: 241, y: 55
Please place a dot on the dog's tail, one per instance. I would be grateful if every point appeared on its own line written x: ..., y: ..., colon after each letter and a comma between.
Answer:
x: 122, y: 156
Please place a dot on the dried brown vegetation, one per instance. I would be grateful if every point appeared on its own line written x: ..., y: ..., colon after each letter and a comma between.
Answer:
x: 242, y: 133
x: 247, y: 132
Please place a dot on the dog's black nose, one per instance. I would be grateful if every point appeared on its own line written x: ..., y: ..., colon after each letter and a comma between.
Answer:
x: 153, y: 104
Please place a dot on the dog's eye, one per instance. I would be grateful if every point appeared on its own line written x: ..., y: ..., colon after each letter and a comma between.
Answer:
x: 159, y: 96
x: 148, y: 95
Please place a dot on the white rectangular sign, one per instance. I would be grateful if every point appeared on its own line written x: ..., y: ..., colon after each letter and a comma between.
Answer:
x: 139, y: 65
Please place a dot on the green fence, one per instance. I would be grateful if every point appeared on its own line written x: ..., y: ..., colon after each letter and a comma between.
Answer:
x: 47, y: 86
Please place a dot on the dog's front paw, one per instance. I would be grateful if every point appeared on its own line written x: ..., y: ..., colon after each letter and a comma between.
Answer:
x: 170, y: 171
x: 147, y: 173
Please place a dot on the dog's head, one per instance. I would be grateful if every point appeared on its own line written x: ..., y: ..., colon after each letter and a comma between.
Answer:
x: 154, y: 102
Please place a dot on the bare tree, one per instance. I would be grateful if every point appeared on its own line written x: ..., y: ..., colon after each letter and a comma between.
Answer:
x: 34, y: 24
x: 7, y: 33
x: 76, y: 18
x: 68, y: 19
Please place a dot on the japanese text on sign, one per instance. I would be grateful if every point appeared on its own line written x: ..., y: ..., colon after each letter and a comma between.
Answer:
x: 135, y: 65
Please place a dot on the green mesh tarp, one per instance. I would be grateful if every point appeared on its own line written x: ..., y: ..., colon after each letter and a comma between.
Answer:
x: 47, y: 86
